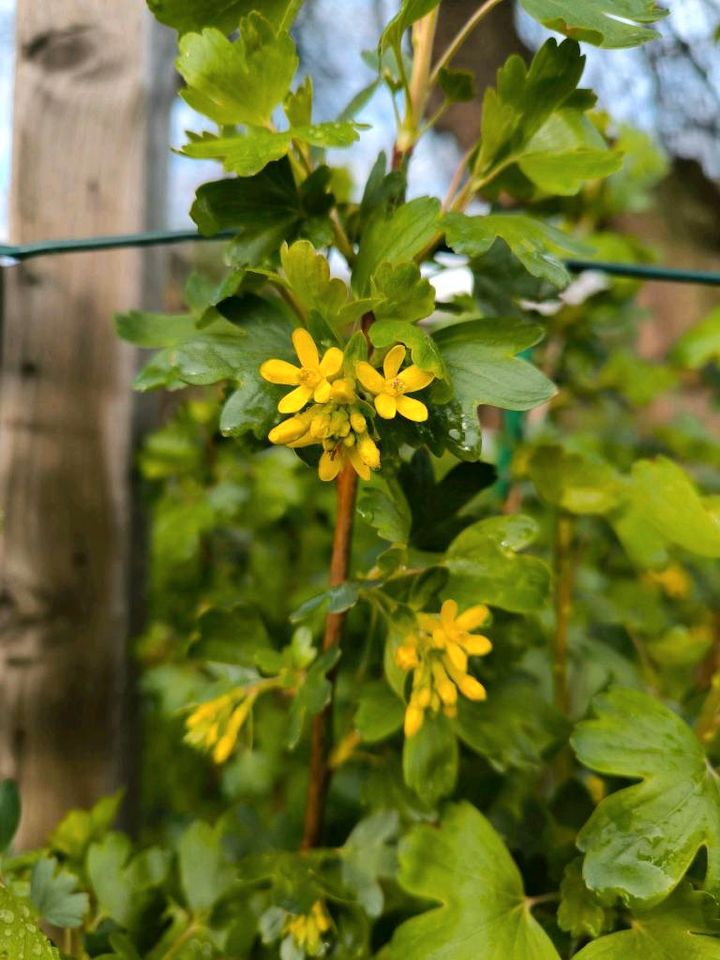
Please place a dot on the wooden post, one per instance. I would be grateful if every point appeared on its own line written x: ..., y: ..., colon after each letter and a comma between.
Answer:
x: 80, y: 147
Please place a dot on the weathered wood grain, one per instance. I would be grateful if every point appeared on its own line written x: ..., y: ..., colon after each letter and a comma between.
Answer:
x: 65, y: 405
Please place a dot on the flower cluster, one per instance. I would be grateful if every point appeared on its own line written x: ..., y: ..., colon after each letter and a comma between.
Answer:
x: 307, y: 930
x: 437, y: 654
x: 214, y: 726
x: 335, y: 419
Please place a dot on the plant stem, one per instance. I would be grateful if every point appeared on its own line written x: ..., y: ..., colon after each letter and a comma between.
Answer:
x: 564, y: 581
x: 461, y: 37
x: 320, y: 743
x: 418, y: 89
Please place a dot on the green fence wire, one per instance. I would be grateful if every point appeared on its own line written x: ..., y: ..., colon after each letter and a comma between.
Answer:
x: 11, y: 254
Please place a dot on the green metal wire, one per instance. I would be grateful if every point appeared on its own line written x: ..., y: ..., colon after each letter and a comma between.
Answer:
x: 26, y: 251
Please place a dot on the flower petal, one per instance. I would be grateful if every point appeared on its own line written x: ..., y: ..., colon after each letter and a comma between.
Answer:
x: 305, y: 348
x: 332, y: 362
x: 448, y: 612
x: 369, y: 453
x: 322, y: 392
x: 330, y: 465
x: 288, y: 431
x: 280, y: 371
x: 411, y: 409
x: 472, y: 617
x: 415, y: 379
x: 476, y: 645
x: 295, y: 400
x: 369, y: 377
x: 386, y: 405
x: 361, y: 468
x: 394, y: 360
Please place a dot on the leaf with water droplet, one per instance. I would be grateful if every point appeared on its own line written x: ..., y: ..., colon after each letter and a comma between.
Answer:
x: 20, y: 937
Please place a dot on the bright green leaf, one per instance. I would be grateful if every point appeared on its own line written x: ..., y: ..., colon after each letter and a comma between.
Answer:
x: 387, y: 511
x: 673, y: 507
x: 402, y: 293
x: 606, y: 23
x: 80, y: 828
x: 122, y: 882
x: 205, y: 874
x: 537, y: 245
x: 20, y: 938
x: 581, y: 913
x: 394, y: 237
x: 240, y: 81
x: 684, y: 927
x: 701, y: 344
x: 410, y: 12
x: 313, y: 695
x: 483, y: 914
x: 641, y: 840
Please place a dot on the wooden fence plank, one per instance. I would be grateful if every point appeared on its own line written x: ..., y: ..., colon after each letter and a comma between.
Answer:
x: 65, y: 406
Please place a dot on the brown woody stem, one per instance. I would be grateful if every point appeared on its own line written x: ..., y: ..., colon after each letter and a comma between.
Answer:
x: 321, y: 737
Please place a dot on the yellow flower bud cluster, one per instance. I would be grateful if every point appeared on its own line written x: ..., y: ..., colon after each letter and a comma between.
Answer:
x: 673, y: 581
x: 307, y: 930
x: 437, y: 654
x: 215, y: 726
x: 335, y: 419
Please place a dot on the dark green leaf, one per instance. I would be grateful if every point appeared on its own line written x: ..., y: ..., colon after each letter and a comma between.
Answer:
x: 54, y: 892
x: 459, y: 86
x: 387, y: 511
x: 312, y: 696
x: 10, y: 810
x: 483, y: 369
x: 367, y: 857
x: 485, y: 567
x: 581, y: 913
x: 232, y: 635
x: 380, y: 712
x: 410, y: 12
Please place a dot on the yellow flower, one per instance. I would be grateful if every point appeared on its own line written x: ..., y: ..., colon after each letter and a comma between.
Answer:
x: 674, y: 581
x: 312, y: 379
x: 390, y: 390
x: 307, y: 930
x: 437, y: 653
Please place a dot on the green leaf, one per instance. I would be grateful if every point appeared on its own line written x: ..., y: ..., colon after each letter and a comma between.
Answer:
x: 367, y: 857
x: 485, y: 566
x: 410, y: 12
x: 264, y: 210
x: 308, y: 274
x: 423, y: 349
x: 313, y: 695
x: 565, y: 152
x: 684, y: 927
x: 605, y: 23
x: 435, y: 505
x: 246, y: 154
x: 673, y: 507
x: 581, y: 914
x: 154, y: 330
x: 205, y: 874
x: 10, y: 810
x: 395, y: 236
x: 122, y: 882
x: 536, y: 244
x: 20, y: 938
x: 230, y: 635
x: 483, y: 369
x: 430, y: 759
x: 240, y: 81
x: 189, y: 16
x: 54, y: 892
x: 387, y: 511
x: 483, y: 914
x: 573, y: 482
x: 701, y: 344
x: 513, y: 728
x: 80, y: 828
x: 524, y: 99
x: 402, y: 293
x: 640, y: 841
x: 459, y: 86
x: 380, y: 712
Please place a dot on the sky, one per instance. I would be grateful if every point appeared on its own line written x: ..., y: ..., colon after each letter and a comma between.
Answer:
x: 662, y: 91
